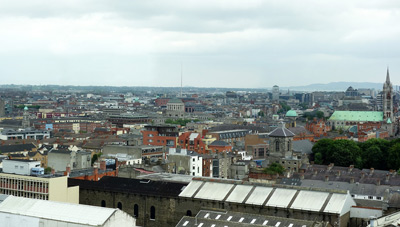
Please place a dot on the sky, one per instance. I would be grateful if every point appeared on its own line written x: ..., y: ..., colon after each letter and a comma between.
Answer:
x: 213, y: 43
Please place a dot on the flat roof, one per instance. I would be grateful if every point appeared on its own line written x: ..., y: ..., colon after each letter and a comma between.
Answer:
x: 67, y: 212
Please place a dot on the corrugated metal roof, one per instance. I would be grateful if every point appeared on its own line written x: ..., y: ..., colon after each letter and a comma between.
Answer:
x: 259, y: 195
x: 191, y: 189
x: 239, y: 193
x: 67, y: 212
x: 310, y: 200
x: 281, y: 197
x: 214, y: 191
x: 357, y: 116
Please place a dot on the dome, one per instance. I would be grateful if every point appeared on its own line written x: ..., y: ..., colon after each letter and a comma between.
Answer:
x: 291, y: 113
x: 26, y: 108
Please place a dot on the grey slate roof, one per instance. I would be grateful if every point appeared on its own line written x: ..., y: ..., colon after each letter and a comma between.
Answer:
x: 219, y: 143
x: 281, y: 132
x: 303, y: 146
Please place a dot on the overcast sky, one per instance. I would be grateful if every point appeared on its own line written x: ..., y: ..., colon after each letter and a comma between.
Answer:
x: 220, y: 43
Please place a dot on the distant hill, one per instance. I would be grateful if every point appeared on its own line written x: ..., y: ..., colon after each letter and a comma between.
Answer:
x: 335, y: 86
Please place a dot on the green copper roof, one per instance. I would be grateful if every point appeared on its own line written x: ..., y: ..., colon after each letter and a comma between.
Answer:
x: 357, y: 116
x: 291, y: 113
x: 25, y: 108
x: 389, y: 121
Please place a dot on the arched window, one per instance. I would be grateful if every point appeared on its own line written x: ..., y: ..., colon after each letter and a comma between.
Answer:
x: 119, y: 205
x: 152, y: 213
x: 136, y: 211
x: 276, y: 145
x: 288, y: 145
x: 103, y: 203
x: 189, y: 213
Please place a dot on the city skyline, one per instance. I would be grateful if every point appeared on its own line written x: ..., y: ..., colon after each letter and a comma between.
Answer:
x: 252, y: 44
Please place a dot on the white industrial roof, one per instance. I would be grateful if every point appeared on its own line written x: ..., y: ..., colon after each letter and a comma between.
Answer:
x: 337, y: 203
x: 281, y: 197
x: 239, y: 193
x: 191, y: 188
x: 259, y: 195
x: 310, y: 200
x: 67, y: 212
x: 214, y: 191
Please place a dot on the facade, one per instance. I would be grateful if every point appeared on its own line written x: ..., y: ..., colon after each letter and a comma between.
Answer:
x: 275, y: 93
x: 46, y: 188
x: 10, y: 134
x: 160, y: 135
x: 60, y: 159
x: 281, y: 149
x: 76, y: 124
x: 158, y: 203
x: 21, y: 167
x: 121, y: 119
x: 175, y: 108
x: 16, y: 212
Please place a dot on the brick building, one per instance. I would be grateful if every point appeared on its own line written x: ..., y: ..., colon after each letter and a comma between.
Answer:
x: 160, y: 135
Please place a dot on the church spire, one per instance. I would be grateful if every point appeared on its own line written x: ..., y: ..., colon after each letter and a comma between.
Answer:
x: 387, y: 76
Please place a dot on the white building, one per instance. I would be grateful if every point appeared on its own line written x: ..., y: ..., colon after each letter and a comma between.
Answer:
x: 20, y: 166
x: 17, y: 211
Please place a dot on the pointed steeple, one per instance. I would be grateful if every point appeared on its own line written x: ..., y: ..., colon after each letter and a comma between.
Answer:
x: 387, y: 76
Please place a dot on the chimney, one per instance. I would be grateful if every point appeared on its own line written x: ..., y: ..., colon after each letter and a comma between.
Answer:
x: 315, y: 173
x: 95, y: 170
x: 326, y: 178
x: 351, y: 167
x: 352, y: 180
x: 371, y: 171
x: 362, y: 175
x: 53, y: 171
x: 68, y: 170
x: 387, y: 177
x: 330, y: 166
x: 338, y: 174
x: 378, y: 182
x: 301, y: 176
x: 103, y: 165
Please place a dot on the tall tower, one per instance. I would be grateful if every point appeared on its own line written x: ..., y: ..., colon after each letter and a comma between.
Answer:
x: 25, y: 118
x: 387, y: 98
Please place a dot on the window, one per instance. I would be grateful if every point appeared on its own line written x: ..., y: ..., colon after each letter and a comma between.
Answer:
x: 288, y: 145
x: 119, y: 205
x: 136, y: 210
x: 379, y: 198
x: 153, y: 213
x: 276, y: 145
x: 103, y: 203
x: 189, y: 213
x: 370, y: 197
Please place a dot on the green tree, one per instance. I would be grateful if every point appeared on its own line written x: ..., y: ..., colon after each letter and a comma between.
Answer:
x: 47, y: 170
x: 319, y: 114
x: 372, y: 157
x: 324, y: 148
x: 274, y: 168
x: 96, y: 157
x: 394, y: 157
x: 345, y: 152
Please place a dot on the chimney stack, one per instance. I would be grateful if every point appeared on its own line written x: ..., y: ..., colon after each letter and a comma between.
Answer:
x: 68, y: 170
x: 387, y: 177
x: 362, y: 175
x: 352, y: 180
x: 315, y: 173
x: 378, y: 182
x: 338, y: 174
x: 330, y: 166
x: 371, y: 171
x: 95, y: 170
x: 326, y: 178
x: 103, y: 165
x: 53, y: 171
x: 302, y: 176
x: 351, y: 167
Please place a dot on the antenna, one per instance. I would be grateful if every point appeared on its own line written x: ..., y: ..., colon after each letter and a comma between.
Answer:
x: 181, y: 79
